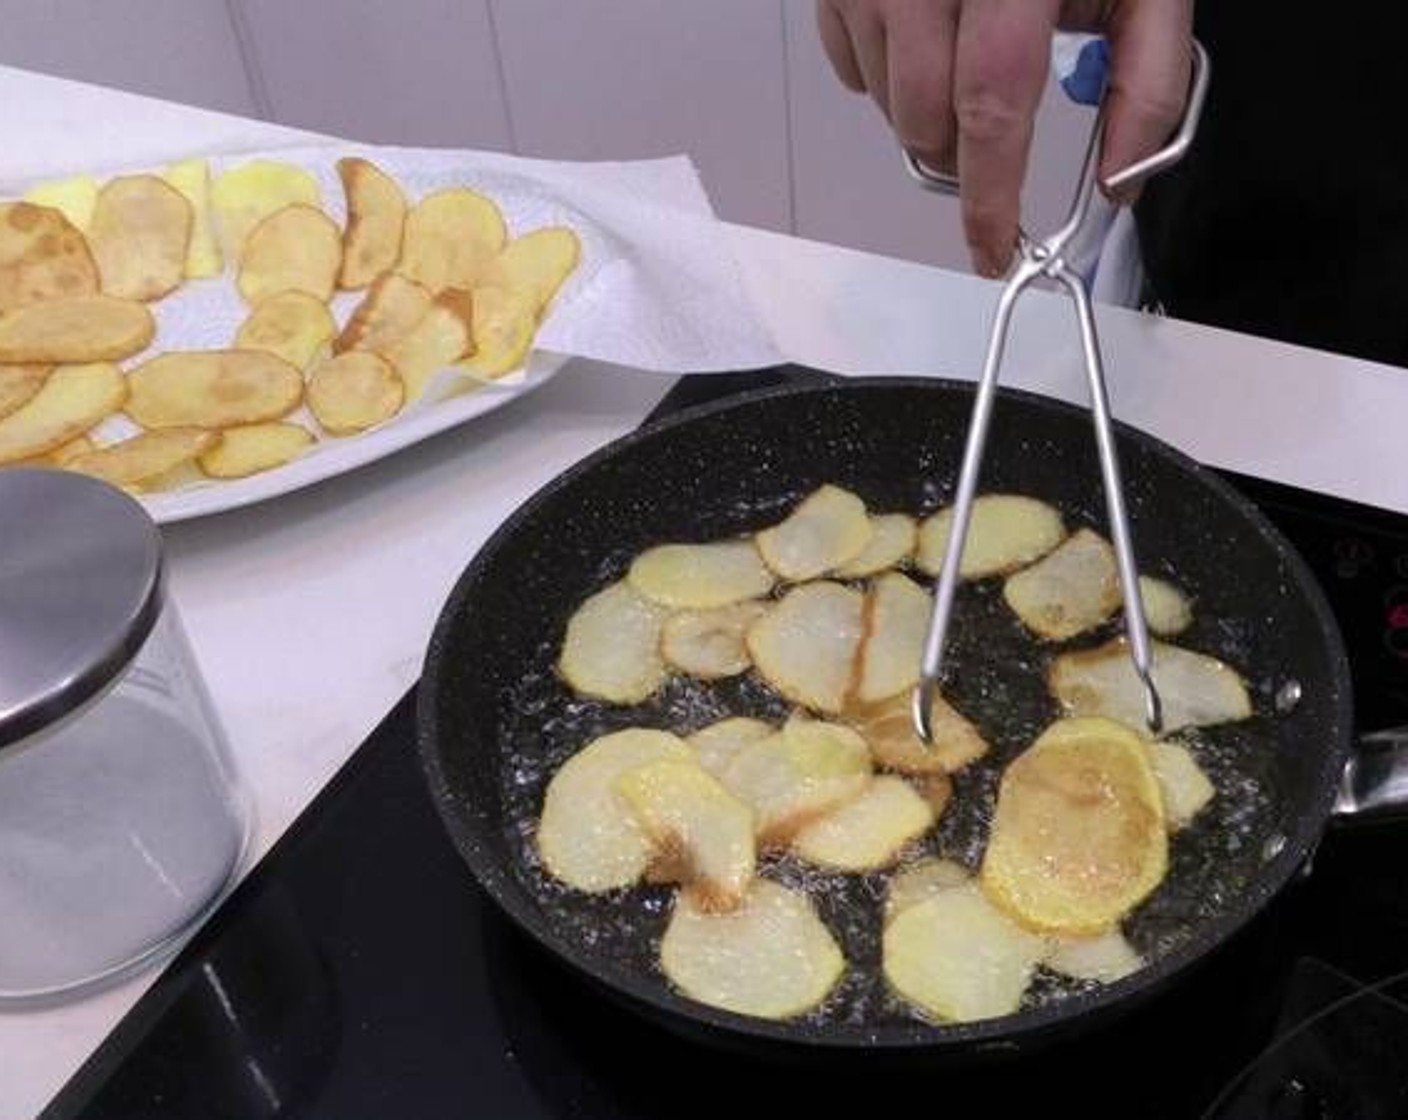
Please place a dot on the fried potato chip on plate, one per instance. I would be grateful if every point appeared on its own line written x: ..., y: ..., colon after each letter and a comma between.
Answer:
x: 390, y: 311
x: 505, y: 321
x: 74, y: 198
x: 892, y: 539
x: 292, y: 325
x: 18, y: 384
x: 60, y: 456
x: 451, y: 239
x: 354, y: 391
x: 140, y: 234
x: 435, y: 343
x: 72, y: 400
x: 700, y: 576
x: 1073, y: 588
x: 868, y: 832
x: 829, y: 528
x: 1005, y: 532
x: 376, y: 220
x: 137, y: 460
x: 203, y: 256
x: 244, y: 196
x: 716, y: 744
x: 42, y: 257
x: 612, y: 647
x: 919, y: 881
x: 251, y: 448
x: 888, y: 729
x: 897, y: 614
x: 298, y: 248
x: 537, y: 263
x: 83, y: 329
x: 709, y: 644
x: 806, y: 646
x: 212, y: 389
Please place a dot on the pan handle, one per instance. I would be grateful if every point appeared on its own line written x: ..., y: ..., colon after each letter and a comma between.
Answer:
x: 1375, y: 783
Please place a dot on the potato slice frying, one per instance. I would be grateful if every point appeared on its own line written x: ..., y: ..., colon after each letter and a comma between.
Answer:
x: 42, y: 257
x: 1005, y: 532
x: 18, y: 384
x: 295, y: 326
x: 72, y: 400
x: 392, y: 308
x: 505, y: 320
x: 244, y: 196
x: 612, y: 647
x: 1196, y: 690
x: 1106, y: 957
x: 1186, y: 789
x: 892, y: 539
x: 888, y: 729
x: 251, y: 448
x: 435, y: 343
x: 74, y: 198
x: 136, y: 461
x: 452, y: 238
x: 806, y: 646
x: 354, y: 391
x: 295, y: 249
x: 587, y: 836
x: 140, y: 232
x: 83, y: 329
x: 701, y: 833
x: 957, y: 957
x: 709, y: 644
x: 829, y: 528
x: 716, y: 745
x: 376, y: 219
x: 920, y: 881
x: 1167, y: 610
x: 537, y: 263
x: 869, y: 832
x: 212, y: 389
x: 1072, y: 589
x: 897, y: 614
x: 701, y: 576
x: 203, y: 256
x: 1078, y: 836
x: 771, y: 958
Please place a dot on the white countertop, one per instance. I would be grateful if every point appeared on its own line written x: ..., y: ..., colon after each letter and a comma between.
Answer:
x: 310, y: 614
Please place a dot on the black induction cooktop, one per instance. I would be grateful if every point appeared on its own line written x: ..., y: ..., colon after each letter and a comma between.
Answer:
x: 360, y: 972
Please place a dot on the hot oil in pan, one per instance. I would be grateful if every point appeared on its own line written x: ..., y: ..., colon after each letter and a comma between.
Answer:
x: 996, y: 677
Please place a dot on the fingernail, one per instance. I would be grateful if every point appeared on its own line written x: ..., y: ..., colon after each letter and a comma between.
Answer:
x: 988, y: 264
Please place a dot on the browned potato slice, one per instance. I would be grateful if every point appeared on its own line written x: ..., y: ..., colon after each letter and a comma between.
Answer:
x: 701, y: 833
x: 72, y: 400
x: 135, y: 462
x: 505, y: 320
x: 771, y: 958
x: 869, y: 832
x: 251, y: 448
x: 709, y: 643
x: 888, y: 728
x: 293, y: 325
x: 892, y: 538
x: 701, y: 576
x: 806, y: 646
x: 433, y: 344
x: 376, y: 219
x: 1071, y: 589
x: 1196, y: 690
x: 74, y: 198
x: 829, y: 528
x: 18, y: 384
x: 716, y: 744
x: 354, y: 391
x: 139, y: 235
x: 955, y: 956
x: 42, y: 257
x: 1005, y: 532
x: 452, y: 238
x: 537, y: 263
x: 1106, y: 957
x: 1186, y: 789
x: 78, y: 330
x: 920, y: 881
x: 1167, y: 610
x: 800, y: 774
x: 392, y: 308
x: 896, y: 621
x: 587, y: 836
x: 612, y: 647
x: 192, y: 178
x: 212, y: 389
x: 298, y: 249
x: 244, y: 196
x: 1078, y: 836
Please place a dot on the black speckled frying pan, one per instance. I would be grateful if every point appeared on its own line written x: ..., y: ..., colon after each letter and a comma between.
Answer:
x: 494, y: 721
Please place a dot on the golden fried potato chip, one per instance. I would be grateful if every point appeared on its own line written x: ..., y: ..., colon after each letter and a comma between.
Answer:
x: 354, y: 391
x: 140, y: 233
x: 212, y: 389
x: 296, y: 249
x: 42, y: 257
x: 251, y: 448
x: 135, y: 461
x: 61, y: 456
x: 18, y: 384
x: 1005, y: 532
x: 203, y: 256
x: 74, y: 198
x: 452, y: 238
x: 392, y: 308
x: 94, y: 328
x: 537, y: 263
x: 505, y: 320
x: 294, y: 325
x: 246, y: 195
x: 376, y: 221
x: 888, y: 729
x: 72, y: 400
x: 700, y: 576
x: 435, y: 343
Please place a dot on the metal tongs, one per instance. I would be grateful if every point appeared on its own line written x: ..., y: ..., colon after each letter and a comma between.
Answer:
x: 1047, y: 258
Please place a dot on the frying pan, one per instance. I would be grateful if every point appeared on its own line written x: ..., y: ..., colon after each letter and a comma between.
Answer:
x: 494, y: 722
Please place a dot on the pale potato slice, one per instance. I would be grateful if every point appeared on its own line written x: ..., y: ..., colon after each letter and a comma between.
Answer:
x: 956, y: 957
x: 1196, y: 690
x: 1078, y: 836
x: 716, y: 745
x: 771, y: 958
x: 297, y: 248
x: 806, y: 646
x: 134, y: 462
x: 42, y: 257
x: 790, y: 779
x: 251, y: 448
x: 1106, y: 957
x: 295, y: 326
x: 1005, y: 532
x: 435, y: 343
x: 709, y: 643
x: 392, y: 308
x: 702, y: 835
x: 18, y: 384
x: 1186, y: 789
x: 897, y: 614
x: 74, y: 198
x: 72, y: 400
x: 83, y: 329
x: 537, y: 263
x: 920, y: 881
x: 888, y: 729
x: 892, y: 540
x: 376, y: 220
x: 1073, y: 588
x: 612, y: 647
x: 140, y: 232
x: 829, y: 528
x: 244, y: 196
x: 354, y: 391
x: 212, y: 389
x: 203, y: 256
x: 505, y: 320
x: 1167, y: 610
x: 587, y: 836
x: 868, y: 832
x: 701, y: 576
x: 452, y: 238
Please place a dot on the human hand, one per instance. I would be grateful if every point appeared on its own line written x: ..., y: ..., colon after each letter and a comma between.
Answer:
x: 960, y: 81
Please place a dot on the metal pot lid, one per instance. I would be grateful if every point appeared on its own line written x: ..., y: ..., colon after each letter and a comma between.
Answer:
x: 80, y: 589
